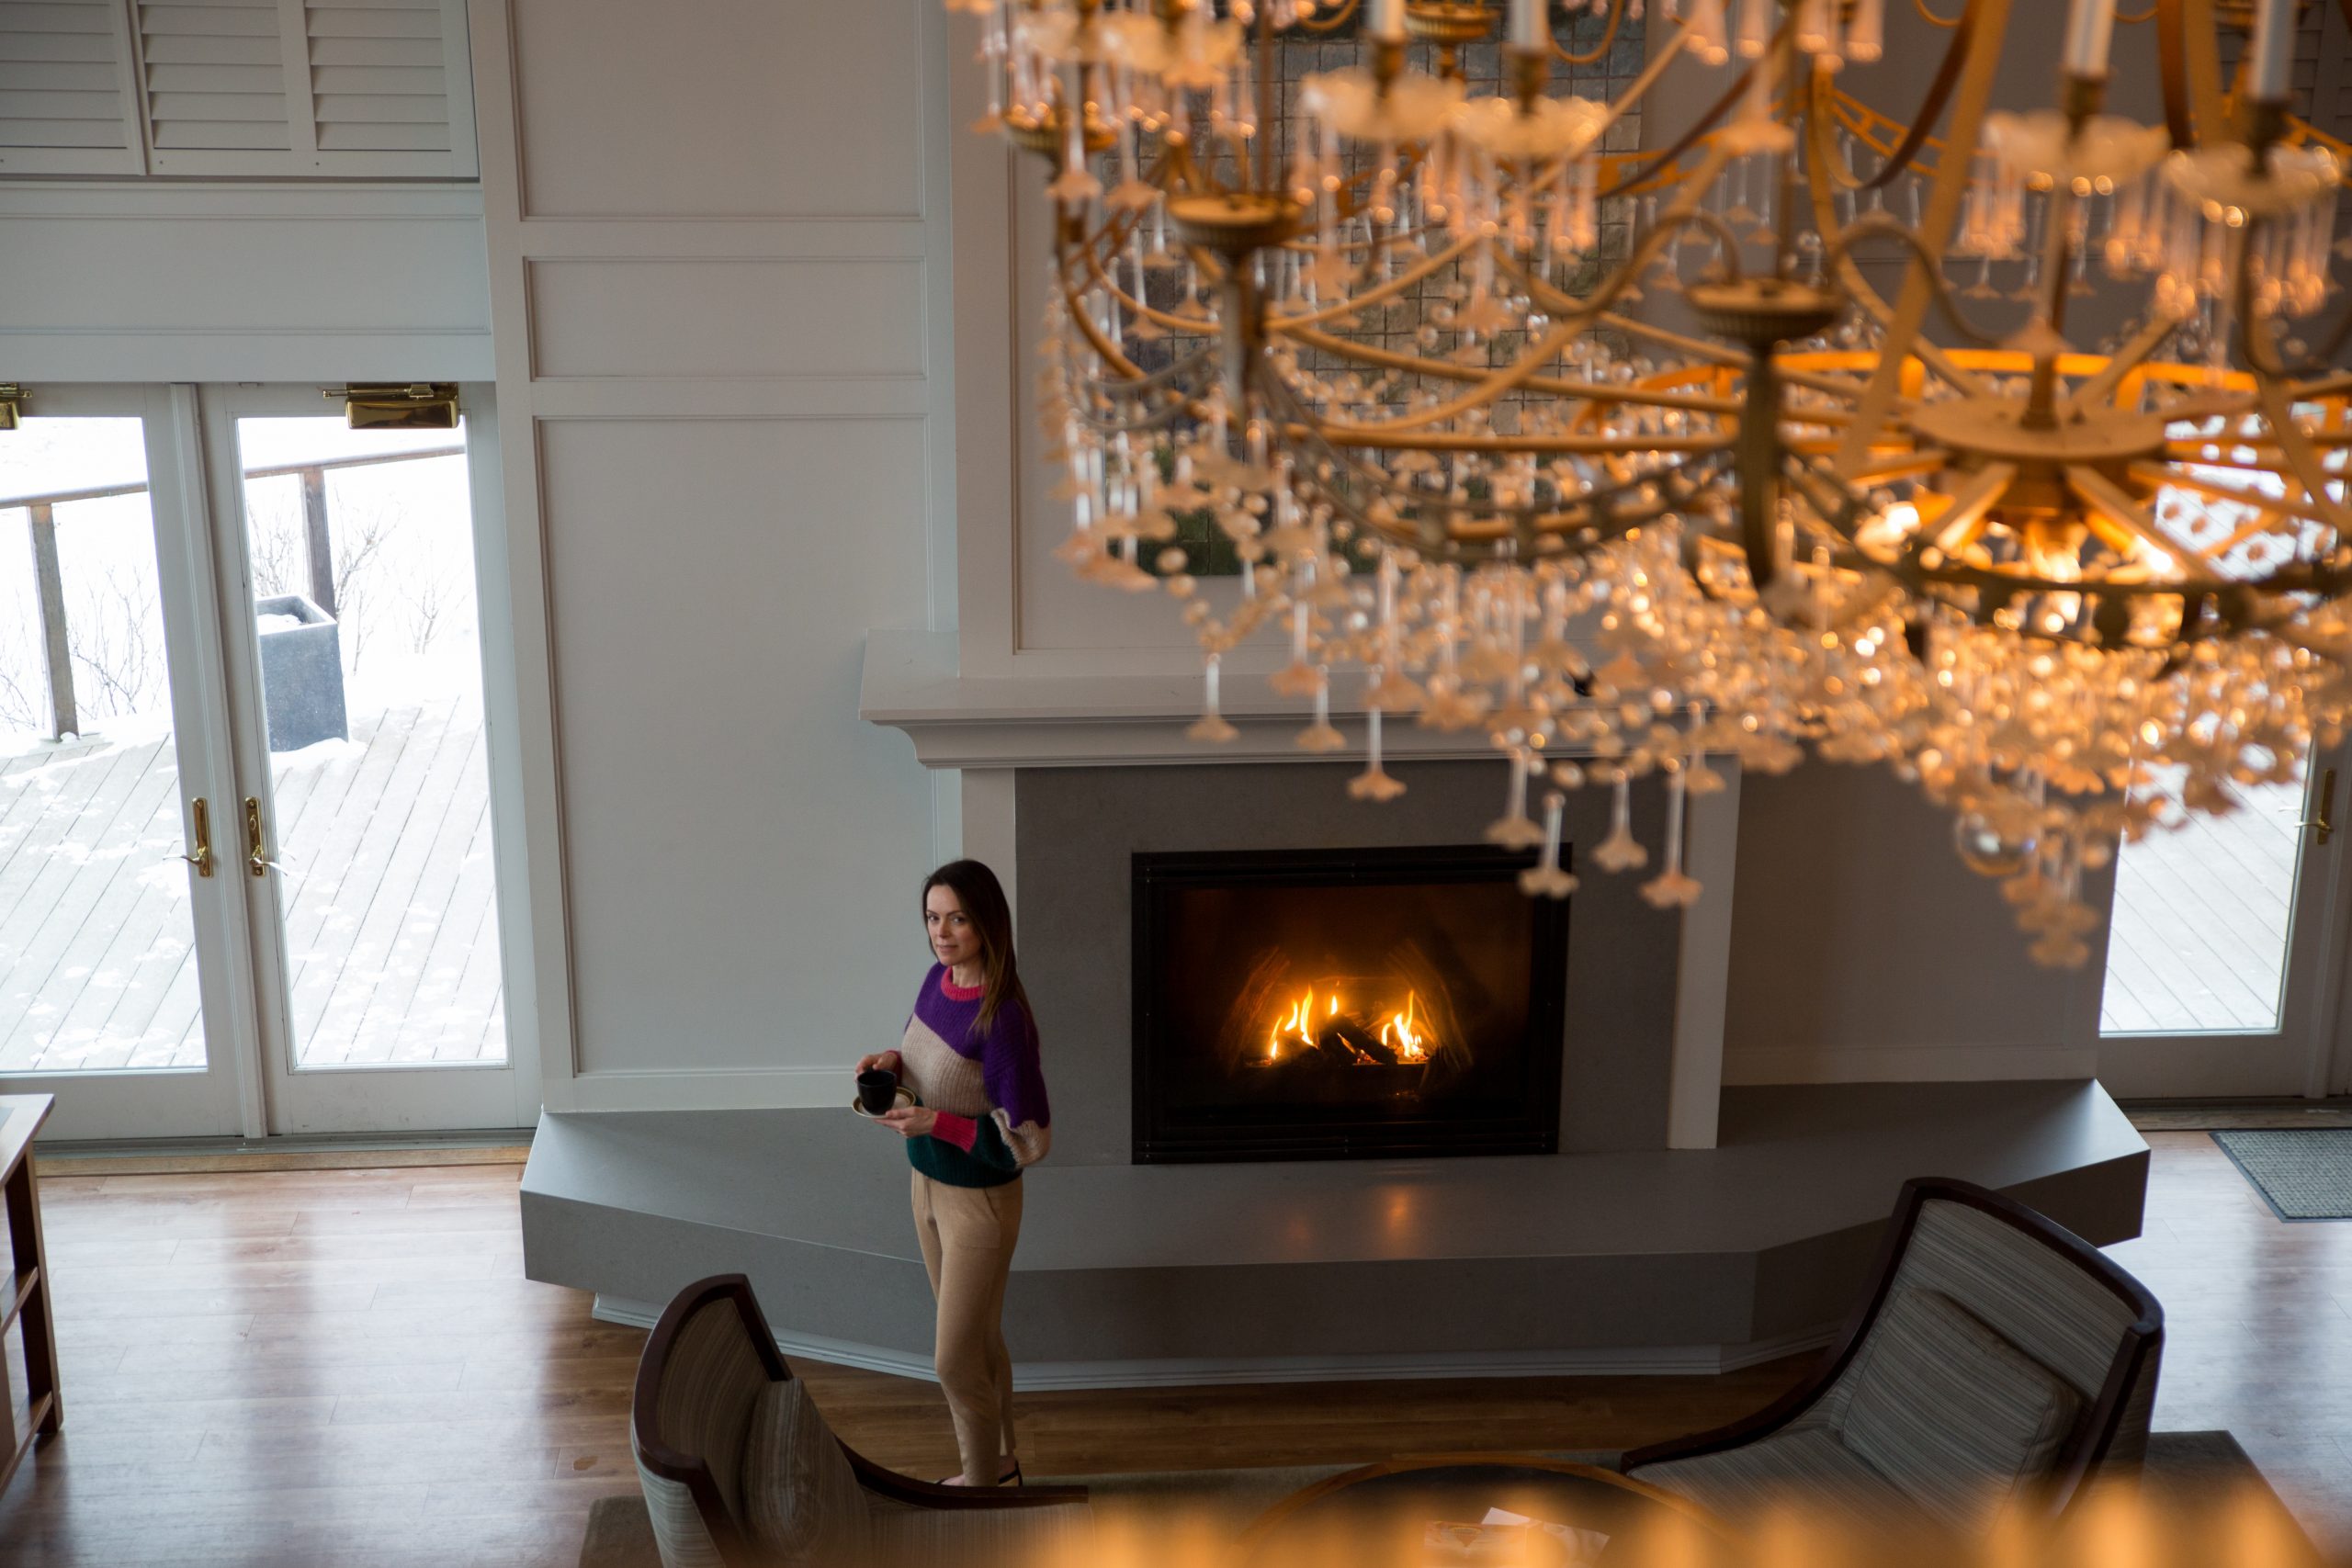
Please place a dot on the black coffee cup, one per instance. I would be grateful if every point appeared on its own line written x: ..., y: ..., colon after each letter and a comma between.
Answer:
x: 877, y: 1090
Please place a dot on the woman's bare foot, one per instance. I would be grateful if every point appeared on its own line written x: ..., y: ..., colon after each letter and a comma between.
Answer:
x: 1008, y: 1473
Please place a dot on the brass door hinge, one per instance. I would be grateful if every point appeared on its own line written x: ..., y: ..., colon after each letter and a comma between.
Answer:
x: 416, y: 405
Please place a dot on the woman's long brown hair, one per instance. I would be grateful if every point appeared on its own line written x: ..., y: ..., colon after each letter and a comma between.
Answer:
x: 976, y: 889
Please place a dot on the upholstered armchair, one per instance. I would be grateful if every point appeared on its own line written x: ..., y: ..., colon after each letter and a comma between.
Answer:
x: 1998, y: 1362
x: 740, y: 1471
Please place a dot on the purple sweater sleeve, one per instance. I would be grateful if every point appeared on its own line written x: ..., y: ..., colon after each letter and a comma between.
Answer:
x: 1016, y: 1083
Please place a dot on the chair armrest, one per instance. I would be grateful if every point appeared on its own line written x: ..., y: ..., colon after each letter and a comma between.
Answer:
x: 1737, y: 1434
x: 928, y: 1494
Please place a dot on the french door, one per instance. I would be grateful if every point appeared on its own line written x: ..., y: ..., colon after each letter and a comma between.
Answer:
x: 249, y: 862
x: 2227, y: 944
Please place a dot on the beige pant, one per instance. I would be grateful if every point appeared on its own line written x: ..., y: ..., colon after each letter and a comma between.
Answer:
x: 967, y: 1235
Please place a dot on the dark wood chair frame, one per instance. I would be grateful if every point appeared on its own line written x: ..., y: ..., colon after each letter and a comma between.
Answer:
x: 695, y: 1473
x: 2141, y: 1343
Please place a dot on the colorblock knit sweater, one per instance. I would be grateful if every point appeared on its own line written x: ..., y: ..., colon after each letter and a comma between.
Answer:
x: 987, y: 1089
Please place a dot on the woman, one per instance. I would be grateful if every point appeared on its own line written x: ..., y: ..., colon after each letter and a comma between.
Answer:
x: 979, y: 1118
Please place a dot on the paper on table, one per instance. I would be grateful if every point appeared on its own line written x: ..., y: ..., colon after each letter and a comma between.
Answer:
x: 1584, y: 1546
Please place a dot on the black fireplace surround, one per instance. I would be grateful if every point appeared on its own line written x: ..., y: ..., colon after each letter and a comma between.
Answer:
x: 1345, y: 1004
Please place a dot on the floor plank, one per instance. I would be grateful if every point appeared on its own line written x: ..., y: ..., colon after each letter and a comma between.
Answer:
x: 274, y: 1369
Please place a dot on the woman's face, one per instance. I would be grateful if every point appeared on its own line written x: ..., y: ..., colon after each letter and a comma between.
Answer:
x: 954, y: 939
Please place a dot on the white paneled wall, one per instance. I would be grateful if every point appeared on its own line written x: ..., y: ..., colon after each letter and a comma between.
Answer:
x: 719, y: 255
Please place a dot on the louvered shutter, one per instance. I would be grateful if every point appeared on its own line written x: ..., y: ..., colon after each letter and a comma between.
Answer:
x: 381, y: 78
x: 66, y: 89
x: 214, y: 75
x: 285, y: 88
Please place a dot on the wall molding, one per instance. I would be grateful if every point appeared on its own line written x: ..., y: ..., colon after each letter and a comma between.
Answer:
x: 1031, y: 1377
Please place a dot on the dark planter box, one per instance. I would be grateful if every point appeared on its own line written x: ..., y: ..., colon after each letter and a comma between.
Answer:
x: 301, y: 675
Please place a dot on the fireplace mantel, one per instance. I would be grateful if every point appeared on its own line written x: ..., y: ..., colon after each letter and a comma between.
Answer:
x: 911, y: 684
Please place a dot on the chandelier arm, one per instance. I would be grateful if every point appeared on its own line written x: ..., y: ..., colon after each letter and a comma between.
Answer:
x: 1569, y: 316
x: 1640, y: 85
x: 1310, y: 437
x: 1929, y: 16
x: 1988, y: 22
x: 2190, y: 66
x: 1608, y: 36
x: 1394, y: 287
x: 1072, y: 302
x: 1331, y: 23
x: 1189, y: 325
x: 2108, y: 499
x: 2120, y: 364
x: 1376, y: 437
x: 1701, y: 130
x: 1588, y: 391
x: 1567, y: 310
x: 1932, y: 107
x: 2269, y: 510
x: 1885, y: 224
x: 1860, y: 288
x: 2301, y: 456
x: 2303, y: 459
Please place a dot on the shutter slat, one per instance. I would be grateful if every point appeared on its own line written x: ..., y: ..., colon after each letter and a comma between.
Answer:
x: 20, y: 18
x: 227, y: 107
x: 55, y: 77
x: 382, y: 108
x: 410, y: 52
x: 201, y: 21
x: 41, y: 105
x: 348, y: 136
x: 209, y: 50
x: 76, y: 47
x: 253, y: 136
x: 374, y: 22
x: 162, y: 79
x: 370, y: 79
x: 98, y: 135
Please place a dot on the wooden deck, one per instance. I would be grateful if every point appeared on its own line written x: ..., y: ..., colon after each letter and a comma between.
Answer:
x: 390, y: 923
x: 2201, y: 913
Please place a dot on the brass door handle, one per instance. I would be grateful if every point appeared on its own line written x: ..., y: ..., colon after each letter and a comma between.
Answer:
x: 2323, y: 825
x: 257, y: 859
x: 201, y: 811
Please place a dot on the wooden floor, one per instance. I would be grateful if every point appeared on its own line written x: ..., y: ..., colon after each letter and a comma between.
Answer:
x: 390, y: 928
x: 2199, y: 941
x: 345, y: 1370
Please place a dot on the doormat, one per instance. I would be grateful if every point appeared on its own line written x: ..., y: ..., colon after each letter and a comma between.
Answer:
x: 2305, y: 1174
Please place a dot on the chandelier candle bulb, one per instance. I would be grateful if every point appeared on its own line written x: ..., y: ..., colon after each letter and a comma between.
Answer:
x: 1387, y: 21
x: 2090, y: 34
x: 1754, y: 28
x: 2273, y: 49
x: 1531, y: 25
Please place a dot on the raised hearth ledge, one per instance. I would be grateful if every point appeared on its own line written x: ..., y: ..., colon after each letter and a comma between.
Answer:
x: 1658, y: 1260
x: 910, y: 684
x: 1033, y: 1377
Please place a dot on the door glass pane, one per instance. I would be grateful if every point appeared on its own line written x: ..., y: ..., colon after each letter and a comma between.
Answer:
x: 2202, y: 916
x: 97, y: 938
x: 361, y: 546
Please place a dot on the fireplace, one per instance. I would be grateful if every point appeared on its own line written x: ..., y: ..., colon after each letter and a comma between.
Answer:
x: 1345, y: 1004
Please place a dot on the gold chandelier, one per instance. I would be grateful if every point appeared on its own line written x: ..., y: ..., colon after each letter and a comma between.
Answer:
x: 1621, y: 458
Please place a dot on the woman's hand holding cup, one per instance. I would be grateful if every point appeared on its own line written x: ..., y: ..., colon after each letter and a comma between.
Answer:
x: 878, y: 1083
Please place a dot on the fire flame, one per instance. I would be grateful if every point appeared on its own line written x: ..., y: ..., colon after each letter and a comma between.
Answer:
x: 1403, y: 1031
